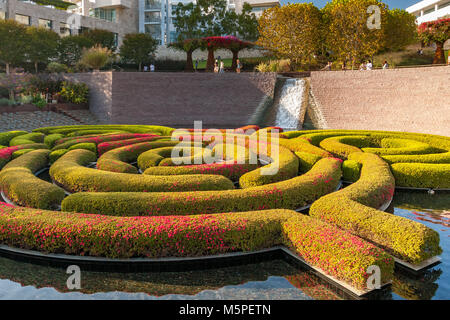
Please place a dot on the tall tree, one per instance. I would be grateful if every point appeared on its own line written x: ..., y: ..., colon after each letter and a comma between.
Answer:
x: 70, y: 49
x: 401, y: 29
x: 13, y: 40
x: 437, y: 32
x: 188, y: 46
x: 138, y: 48
x: 103, y: 38
x: 348, y: 34
x: 42, y: 46
x: 247, y: 24
x: 291, y: 31
x: 188, y: 21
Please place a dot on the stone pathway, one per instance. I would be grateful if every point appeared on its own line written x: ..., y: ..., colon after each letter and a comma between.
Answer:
x: 31, y: 120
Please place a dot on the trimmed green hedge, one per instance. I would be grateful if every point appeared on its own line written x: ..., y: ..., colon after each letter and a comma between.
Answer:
x: 395, y: 146
x: 117, y: 160
x: 68, y: 171
x: 323, y: 178
x: 6, y: 153
x: 336, y: 252
x: 51, y: 139
x: 165, y: 131
x: 19, y: 153
x: 28, y: 138
x: 20, y: 185
x: 422, y: 175
x: 306, y: 160
x: 110, y: 145
x: 355, y: 209
x: 285, y: 165
x: 5, y: 137
x: 153, y: 157
x: 85, y: 145
x: 351, y: 170
x: 55, y: 155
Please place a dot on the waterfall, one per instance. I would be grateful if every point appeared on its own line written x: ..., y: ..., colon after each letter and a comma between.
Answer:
x: 289, y: 104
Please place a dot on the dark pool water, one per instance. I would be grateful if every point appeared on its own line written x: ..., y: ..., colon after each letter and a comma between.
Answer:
x: 266, y: 280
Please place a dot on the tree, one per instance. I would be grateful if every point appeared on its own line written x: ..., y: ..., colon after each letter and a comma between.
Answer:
x: 42, y: 45
x: 71, y: 48
x: 103, y: 38
x: 13, y: 39
x: 292, y: 31
x: 188, y: 46
x: 188, y: 20
x: 348, y: 34
x: 437, y: 32
x: 138, y: 48
x: 401, y: 29
x: 247, y: 24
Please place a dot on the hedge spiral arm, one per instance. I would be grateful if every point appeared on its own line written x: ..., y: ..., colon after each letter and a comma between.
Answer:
x: 137, y: 201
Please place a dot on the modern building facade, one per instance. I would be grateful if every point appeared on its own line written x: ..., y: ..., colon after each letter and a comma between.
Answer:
x: 429, y: 10
x: 154, y: 17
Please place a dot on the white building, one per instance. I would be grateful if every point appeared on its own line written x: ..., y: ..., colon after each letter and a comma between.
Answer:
x: 429, y: 10
x: 156, y: 16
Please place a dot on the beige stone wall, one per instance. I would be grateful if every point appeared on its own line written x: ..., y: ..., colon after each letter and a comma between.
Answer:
x: 408, y: 99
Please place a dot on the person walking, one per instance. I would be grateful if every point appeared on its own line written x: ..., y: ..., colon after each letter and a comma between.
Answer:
x: 152, y: 68
x: 369, y: 65
x: 196, y: 65
x: 222, y: 67
x: 238, y: 66
x: 216, y: 66
x: 385, y: 65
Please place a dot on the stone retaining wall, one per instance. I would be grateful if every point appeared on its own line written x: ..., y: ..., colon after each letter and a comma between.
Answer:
x: 176, y: 99
x: 409, y: 99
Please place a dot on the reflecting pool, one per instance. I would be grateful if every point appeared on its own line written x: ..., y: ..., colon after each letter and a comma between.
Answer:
x: 274, y: 279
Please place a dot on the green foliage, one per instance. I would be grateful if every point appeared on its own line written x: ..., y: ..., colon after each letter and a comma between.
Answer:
x: 51, y: 139
x: 55, y: 67
x: 351, y: 170
x: 69, y: 172
x: 5, y: 137
x: 422, y: 175
x: 292, y: 31
x: 102, y: 38
x: 35, y: 137
x: 55, y: 155
x: 70, y: 49
x: 74, y: 92
x: 86, y: 146
x: 401, y: 29
x: 42, y: 45
x: 293, y: 193
x: 354, y: 209
x: 13, y: 39
x: 138, y: 48
x: 306, y: 160
x: 21, y: 186
x: 20, y: 152
x: 95, y: 57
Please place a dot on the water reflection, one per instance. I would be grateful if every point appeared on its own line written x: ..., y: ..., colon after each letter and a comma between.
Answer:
x: 266, y: 280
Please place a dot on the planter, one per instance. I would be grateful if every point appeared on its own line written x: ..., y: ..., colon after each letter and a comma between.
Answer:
x: 49, y: 107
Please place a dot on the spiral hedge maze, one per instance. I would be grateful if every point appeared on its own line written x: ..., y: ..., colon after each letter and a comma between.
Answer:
x: 116, y: 192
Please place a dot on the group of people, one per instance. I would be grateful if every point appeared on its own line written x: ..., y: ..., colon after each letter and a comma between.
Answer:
x: 150, y: 68
x: 219, y: 65
x: 365, y: 65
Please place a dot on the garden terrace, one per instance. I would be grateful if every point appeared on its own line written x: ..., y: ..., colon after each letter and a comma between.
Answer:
x: 176, y: 209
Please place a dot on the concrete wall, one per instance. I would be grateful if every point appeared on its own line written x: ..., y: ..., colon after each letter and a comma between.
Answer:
x: 165, y: 53
x: 177, y: 99
x: 409, y: 99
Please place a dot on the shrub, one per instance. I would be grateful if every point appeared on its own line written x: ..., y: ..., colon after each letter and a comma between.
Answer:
x: 98, y: 139
x: 306, y: 160
x: 351, y: 170
x: 95, y: 57
x: 116, y: 160
x: 6, y: 153
x: 355, y: 209
x: 164, y: 131
x: 86, y: 146
x: 55, y: 67
x: 289, y: 194
x: 5, y: 137
x: 21, y: 186
x: 68, y: 171
x: 422, y: 175
x: 110, y: 145
x: 155, y: 237
x: 55, y: 155
x: 51, y: 139
x: 18, y: 153
x: 28, y: 138
x: 74, y: 92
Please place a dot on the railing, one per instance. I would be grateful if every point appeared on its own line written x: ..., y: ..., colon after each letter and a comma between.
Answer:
x: 152, y: 20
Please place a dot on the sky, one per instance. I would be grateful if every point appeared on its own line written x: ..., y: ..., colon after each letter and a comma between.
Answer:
x: 401, y: 4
